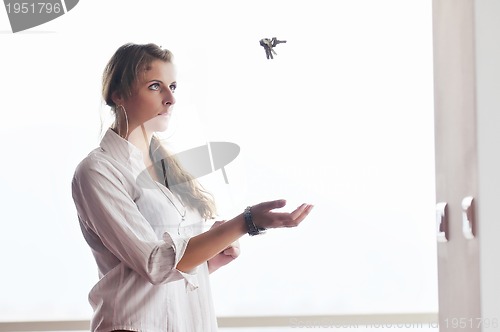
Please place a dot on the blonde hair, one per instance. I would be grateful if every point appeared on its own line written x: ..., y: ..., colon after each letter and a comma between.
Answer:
x: 119, y: 76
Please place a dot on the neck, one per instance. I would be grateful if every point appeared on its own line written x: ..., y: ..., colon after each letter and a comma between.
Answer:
x: 141, y: 139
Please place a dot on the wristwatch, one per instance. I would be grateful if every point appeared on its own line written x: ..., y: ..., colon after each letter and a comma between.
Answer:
x: 251, y: 228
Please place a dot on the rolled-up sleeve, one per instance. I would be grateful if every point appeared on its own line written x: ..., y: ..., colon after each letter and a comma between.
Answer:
x: 108, y: 211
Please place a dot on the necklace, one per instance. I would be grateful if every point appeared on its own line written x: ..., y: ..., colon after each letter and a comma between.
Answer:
x: 164, y: 171
x: 181, y: 214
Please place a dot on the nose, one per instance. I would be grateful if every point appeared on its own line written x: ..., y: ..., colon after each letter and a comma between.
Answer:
x: 169, y: 98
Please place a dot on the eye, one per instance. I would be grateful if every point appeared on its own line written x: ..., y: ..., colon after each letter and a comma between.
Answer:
x: 173, y: 87
x: 154, y: 86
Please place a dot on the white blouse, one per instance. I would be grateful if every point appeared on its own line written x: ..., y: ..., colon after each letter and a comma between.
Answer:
x: 137, y: 238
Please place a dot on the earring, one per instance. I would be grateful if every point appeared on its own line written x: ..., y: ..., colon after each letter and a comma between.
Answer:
x: 126, y: 120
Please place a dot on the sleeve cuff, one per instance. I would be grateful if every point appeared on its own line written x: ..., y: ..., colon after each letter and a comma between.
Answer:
x: 179, y: 245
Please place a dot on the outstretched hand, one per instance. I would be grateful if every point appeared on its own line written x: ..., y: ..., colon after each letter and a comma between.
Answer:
x: 263, y: 216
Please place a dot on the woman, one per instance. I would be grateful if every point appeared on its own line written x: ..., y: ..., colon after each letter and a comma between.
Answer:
x: 146, y: 229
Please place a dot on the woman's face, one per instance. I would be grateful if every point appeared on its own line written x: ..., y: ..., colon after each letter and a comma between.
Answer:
x: 152, y: 97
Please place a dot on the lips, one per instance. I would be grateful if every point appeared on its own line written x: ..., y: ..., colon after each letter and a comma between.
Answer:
x: 165, y: 111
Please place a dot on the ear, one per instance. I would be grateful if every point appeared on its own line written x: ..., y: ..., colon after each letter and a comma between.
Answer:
x: 117, y: 98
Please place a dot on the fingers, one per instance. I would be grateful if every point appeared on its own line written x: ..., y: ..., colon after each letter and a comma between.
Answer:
x: 264, y: 217
x: 304, y: 213
x: 217, y: 223
x: 297, y: 216
x: 232, y: 251
x: 271, y: 205
x: 298, y: 211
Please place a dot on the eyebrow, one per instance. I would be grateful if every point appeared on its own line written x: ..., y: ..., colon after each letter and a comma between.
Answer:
x: 154, y: 80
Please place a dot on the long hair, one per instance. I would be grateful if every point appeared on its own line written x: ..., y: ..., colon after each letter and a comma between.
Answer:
x: 181, y: 182
x: 120, y: 74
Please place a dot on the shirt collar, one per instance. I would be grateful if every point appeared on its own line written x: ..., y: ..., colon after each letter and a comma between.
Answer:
x: 122, y: 150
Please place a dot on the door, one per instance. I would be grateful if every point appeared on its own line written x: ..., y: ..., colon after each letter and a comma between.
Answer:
x: 466, y: 37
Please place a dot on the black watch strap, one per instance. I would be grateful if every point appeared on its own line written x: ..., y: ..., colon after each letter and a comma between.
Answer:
x: 251, y: 228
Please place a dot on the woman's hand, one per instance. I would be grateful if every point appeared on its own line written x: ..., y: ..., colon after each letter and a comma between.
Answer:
x: 225, y: 256
x: 263, y: 216
x: 219, y: 245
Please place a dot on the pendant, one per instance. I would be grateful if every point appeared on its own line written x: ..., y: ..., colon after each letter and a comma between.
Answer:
x: 183, y: 218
